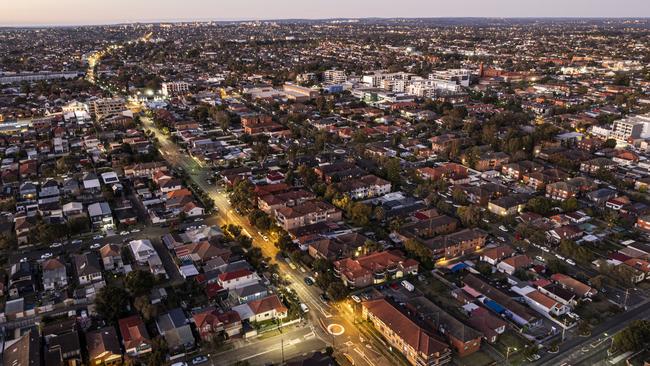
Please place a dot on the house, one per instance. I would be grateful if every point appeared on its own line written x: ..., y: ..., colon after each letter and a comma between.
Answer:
x: 374, y: 268
x: 21, y: 280
x: 464, y: 339
x: 210, y: 323
x: 364, y: 187
x: 489, y: 325
x: 263, y: 309
x: 174, y: 327
x: 54, y: 274
x: 544, y: 304
x: 601, y: 196
x: 494, y: 255
x: 201, y: 252
x: 249, y: 293
x: 91, y: 183
x: 101, y: 216
x: 112, y: 257
x: 238, y: 278
x: 25, y: 351
x: 103, y: 347
x: 418, y: 345
x: 511, y: 264
x: 558, y: 293
x: 142, y: 250
x: 135, y: 337
x: 499, y: 302
x: 568, y: 232
x: 570, y: 283
x: 87, y: 268
x: 595, y: 165
x: 508, y: 205
x: 62, y: 342
x: 271, y: 202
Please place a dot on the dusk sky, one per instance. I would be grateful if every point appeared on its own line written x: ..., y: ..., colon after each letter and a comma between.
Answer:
x: 34, y: 12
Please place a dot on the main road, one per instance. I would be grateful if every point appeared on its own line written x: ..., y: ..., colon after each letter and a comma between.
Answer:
x: 330, y: 323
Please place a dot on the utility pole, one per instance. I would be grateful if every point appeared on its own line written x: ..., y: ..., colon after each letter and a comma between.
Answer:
x: 563, y: 330
x: 627, y: 293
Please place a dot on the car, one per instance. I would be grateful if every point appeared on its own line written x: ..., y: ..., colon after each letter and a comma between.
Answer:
x: 135, y: 231
x: 304, y: 308
x: 545, y: 249
x: 501, y: 238
x: 570, y: 261
x: 309, y: 281
x: 23, y: 260
x: 46, y: 256
x: 486, y: 221
x: 266, y: 238
x: 56, y: 245
x: 198, y: 219
x: 199, y: 360
x: 124, y: 232
x: 179, y: 364
x: 559, y: 257
x: 98, y: 237
x: 503, y: 228
x: 324, y: 298
x: 534, y: 357
x: 95, y: 246
x: 540, y: 258
x: 76, y: 242
x: 355, y: 298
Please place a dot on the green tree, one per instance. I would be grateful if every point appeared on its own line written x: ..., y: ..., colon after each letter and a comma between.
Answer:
x: 393, y: 171
x: 469, y: 215
x: 633, y: 338
x: 112, y: 302
x: 360, y: 214
x: 241, y: 197
x: 139, y: 282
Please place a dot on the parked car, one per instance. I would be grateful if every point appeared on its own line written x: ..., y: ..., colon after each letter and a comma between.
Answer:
x: 95, y: 246
x: 309, y: 281
x: 570, y: 261
x: 76, y: 242
x: 56, y: 245
x: 503, y: 228
x: 199, y: 360
x: 98, y: 237
x: 135, y: 231
x: 124, y: 232
x: 46, y: 256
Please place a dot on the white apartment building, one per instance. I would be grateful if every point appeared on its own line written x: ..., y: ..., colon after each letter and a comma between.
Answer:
x: 175, y: 88
x: 334, y: 77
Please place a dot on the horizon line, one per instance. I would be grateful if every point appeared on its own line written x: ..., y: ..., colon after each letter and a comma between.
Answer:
x: 243, y: 20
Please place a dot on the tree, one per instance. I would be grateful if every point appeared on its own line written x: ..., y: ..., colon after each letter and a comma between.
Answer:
x: 633, y: 338
x: 337, y: 291
x: 307, y: 174
x: 241, y: 198
x: 159, y: 352
x: 139, y: 282
x: 540, y: 205
x: 360, y: 214
x: 393, y: 171
x: 609, y: 144
x: 143, y: 305
x: 417, y: 249
x: 112, y: 302
x: 570, y: 205
x: 469, y: 215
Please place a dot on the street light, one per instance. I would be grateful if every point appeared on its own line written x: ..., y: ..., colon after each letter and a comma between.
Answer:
x: 508, y: 352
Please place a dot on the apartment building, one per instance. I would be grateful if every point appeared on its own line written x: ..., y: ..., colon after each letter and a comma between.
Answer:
x: 175, y: 88
x: 308, y: 213
x: 367, y: 186
x: 334, y: 77
x: 100, y: 108
x: 374, y: 268
x: 418, y: 345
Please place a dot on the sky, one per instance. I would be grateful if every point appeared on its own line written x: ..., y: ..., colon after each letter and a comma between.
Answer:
x: 72, y: 12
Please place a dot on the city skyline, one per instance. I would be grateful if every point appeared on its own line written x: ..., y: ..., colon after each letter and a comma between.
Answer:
x: 76, y: 12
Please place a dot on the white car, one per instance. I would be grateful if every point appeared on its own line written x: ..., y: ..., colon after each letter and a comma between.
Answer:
x: 124, y: 233
x: 540, y: 258
x: 559, y: 257
x: 95, y: 246
x: 23, y: 260
x: 135, y: 231
x: 98, y: 237
x: 76, y: 242
x: 503, y: 228
x: 56, y: 245
x: 570, y: 261
x: 266, y: 238
x: 545, y: 249
x: 46, y: 256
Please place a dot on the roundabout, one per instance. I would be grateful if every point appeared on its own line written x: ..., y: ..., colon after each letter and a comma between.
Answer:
x: 335, y: 329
